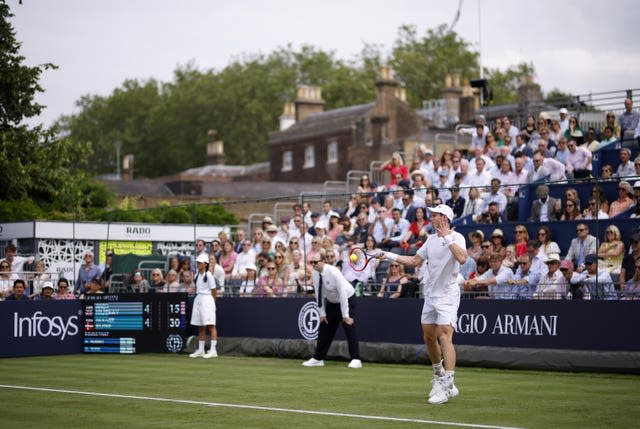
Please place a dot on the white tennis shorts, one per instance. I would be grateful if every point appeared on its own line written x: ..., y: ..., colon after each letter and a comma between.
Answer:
x: 442, y: 310
x: 204, y: 310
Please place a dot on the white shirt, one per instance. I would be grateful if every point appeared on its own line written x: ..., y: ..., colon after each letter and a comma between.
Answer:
x: 205, y: 287
x: 335, y: 289
x: 501, y: 290
x: 243, y: 261
x: 442, y: 267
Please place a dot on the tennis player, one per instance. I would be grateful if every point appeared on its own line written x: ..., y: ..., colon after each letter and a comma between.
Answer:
x: 444, y: 252
x: 203, y: 314
x: 336, y: 304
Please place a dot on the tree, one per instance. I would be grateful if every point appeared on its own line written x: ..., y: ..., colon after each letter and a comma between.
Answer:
x: 38, y: 169
x: 423, y: 63
x: 504, y: 84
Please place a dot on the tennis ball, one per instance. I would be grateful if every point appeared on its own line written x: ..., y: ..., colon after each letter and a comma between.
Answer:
x: 354, y: 258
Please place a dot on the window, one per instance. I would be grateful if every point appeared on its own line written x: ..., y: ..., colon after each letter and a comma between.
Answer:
x: 287, y: 160
x: 332, y: 152
x: 309, y: 157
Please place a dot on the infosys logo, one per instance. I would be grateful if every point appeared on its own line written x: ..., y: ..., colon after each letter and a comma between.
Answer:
x: 39, y: 325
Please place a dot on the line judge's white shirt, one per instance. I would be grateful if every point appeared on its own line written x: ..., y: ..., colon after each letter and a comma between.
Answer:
x: 442, y: 267
x: 205, y: 287
x: 335, y: 289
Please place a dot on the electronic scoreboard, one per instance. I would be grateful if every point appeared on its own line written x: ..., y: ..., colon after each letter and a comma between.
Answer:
x: 134, y: 323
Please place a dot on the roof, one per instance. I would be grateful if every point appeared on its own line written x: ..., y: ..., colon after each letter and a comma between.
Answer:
x: 329, y: 122
x: 228, y: 170
x: 260, y: 190
x: 146, y: 187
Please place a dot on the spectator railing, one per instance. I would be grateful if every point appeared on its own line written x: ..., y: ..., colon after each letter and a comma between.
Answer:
x: 280, y: 209
x: 353, y: 179
x: 337, y: 192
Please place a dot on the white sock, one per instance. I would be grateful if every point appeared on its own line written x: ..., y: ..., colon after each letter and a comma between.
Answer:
x: 201, y: 346
x: 438, y: 369
x: 214, y: 343
x: 448, y: 377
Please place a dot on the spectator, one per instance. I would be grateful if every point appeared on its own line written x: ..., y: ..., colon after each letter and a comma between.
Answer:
x: 241, y: 235
x: 475, y: 250
x: 631, y: 258
x: 296, y: 228
x: 487, y: 248
x: 578, y: 161
x: 555, y: 130
x: 282, y: 265
x: 522, y: 238
x: 539, y: 171
x: 497, y: 278
x: 475, y: 282
x: 394, y: 281
x: 530, y: 127
x: 607, y: 173
x: 201, y: 247
x: 157, y: 281
x: 16, y: 262
x: 551, y: 285
x: 63, y: 292
x: 632, y: 286
x: 591, y: 144
x: 244, y: 259
x: 525, y: 281
x: 626, y: 167
x: 381, y: 227
x: 491, y: 145
x: 545, y: 208
x: 495, y: 195
x: 397, y: 230
x: 266, y: 222
x: 365, y: 188
x: 499, y: 246
x: 86, y: 273
x: 138, y: 283
x: 46, y: 292
x: 594, y: 211
x: 611, y: 121
x: 95, y: 288
x: 473, y: 205
x: 248, y: 284
x: 306, y: 215
x: 456, y: 202
x: 396, y: 166
x: 564, y: 120
x: 18, y: 289
x: 419, y: 187
x: 572, y: 130
x: 316, y: 246
x: 510, y: 259
x: 473, y: 162
x: 257, y: 240
x: 425, y: 159
x: 623, y: 202
x: 107, y: 270
x: 629, y: 119
x: 608, y: 138
x: 563, y: 150
x: 571, y: 211
x: 172, y: 283
x: 174, y: 263
x: 228, y: 257
x: 599, y: 282
x: 39, y: 278
x: 611, y: 250
x: 492, y: 215
x: 547, y: 245
x: 216, y: 247
x: 520, y: 173
x: 581, y: 246
x: 270, y: 285
x: 509, y: 128
x: 598, y: 193
x: 556, y: 169
x: 575, y: 289
x: 218, y: 273
x: 296, y: 279
x: 417, y: 233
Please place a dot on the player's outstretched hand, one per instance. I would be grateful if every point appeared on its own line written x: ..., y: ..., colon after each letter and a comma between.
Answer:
x: 347, y: 320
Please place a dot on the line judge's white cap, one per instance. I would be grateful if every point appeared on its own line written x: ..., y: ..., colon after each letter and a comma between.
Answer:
x: 203, y: 258
x: 443, y: 209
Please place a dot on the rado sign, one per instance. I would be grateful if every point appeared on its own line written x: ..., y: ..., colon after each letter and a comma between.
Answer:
x: 138, y: 230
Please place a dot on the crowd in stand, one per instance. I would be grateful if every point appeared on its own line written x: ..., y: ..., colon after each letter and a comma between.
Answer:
x: 482, y: 185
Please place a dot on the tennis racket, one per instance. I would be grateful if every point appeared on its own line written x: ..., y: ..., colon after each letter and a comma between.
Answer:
x: 359, y: 259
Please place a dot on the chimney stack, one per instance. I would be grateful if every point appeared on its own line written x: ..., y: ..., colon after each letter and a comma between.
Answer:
x: 215, y: 150
x: 308, y: 101
x: 384, y: 115
x: 127, y: 167
x: 288, y: 117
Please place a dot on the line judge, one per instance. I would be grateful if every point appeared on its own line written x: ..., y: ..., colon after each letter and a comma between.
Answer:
x: 336, y: 304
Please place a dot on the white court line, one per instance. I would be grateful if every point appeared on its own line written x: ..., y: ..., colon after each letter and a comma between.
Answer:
x: 256, y: 407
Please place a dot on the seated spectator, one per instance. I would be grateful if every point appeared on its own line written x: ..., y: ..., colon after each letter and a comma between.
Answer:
x: 172, y: 283
x: 63, y: 292
x: 606, y: 173
x: 257, y: 240
x: 570, y: 194
x: 557, y: 170
x: 631, y: 258
x: 95, y: 288
x: 381, y: 226
x: 282, y: 265
x: 138, y: 283
x: 598, y: 193
x: 392, y: 284
x: 475, y: 250
x: 248, y: 283
x: 473, y: 205
x: 573, y: 128
x: 556, y: 131
x: 608, y: 137
x: 551, y: 285
x: 456, y: 202
x: 521, y: 147
x: 316, y: 246
x: 545, y: 208
x: 537, y: 258
x: 496, y: 279
x: 396, y: 231
x: 547, y: 245
x: 530, y: 127
x: 578, y: 163
x: 581, y: 246
x: 6, y: 279
x: 510, y: 259
x: 539, y: 171
x: 419, y: 187
x: 417, y: 232
x: 525, y: 281
x: 39, y: 278
x: 611, y: 121
x: 491, y: 144
x: 18, y: 291
x: 216, y: 246
x: 571, y: 211
x: 395, y: 166
x: 246, y: 258
x: 495, y: 195
x: 575, y: 289
x: 626, y: 167
x: 475, y: 284
x: 636, y: 199
x: 591, y: 144
x: 157, y: 281
x: 187, y: 283
x: 297, y: 275
x: 492, y: 215
x: 218, y: 274
x: 563, y: 151
x: 599, y: 282
x: 522, y: 238
x: 593, y: 211
x: 46, y: 292
x: 347, y: 230
x: 487, y: 248
x: 481, y: 176
x: 334, y: 228
x: 624, y: 202
x: 611, y: 250
x: 499, y: 246
x: 632, y: 286
x: 361, y: 229
x: 270, y: 285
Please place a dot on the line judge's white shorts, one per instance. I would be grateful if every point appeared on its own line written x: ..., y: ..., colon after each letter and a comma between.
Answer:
x: 204, y: 310
x: 442, y: 310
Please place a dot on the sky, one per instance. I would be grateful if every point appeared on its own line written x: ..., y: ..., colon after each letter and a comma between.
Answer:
x: 577, y: 46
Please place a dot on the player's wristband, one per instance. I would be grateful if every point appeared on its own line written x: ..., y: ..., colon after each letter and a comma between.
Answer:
x: 391, y: 256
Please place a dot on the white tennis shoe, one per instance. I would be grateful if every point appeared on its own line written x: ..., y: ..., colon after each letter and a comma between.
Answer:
x: 355, y: 363
x: 210, y: 354
x: 313, y: 362
x: 197, y: 353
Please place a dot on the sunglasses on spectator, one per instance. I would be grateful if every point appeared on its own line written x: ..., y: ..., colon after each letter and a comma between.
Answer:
x: 581, y: 229
x: 315, y: 262
x: 271, y: 268
x: 485, y: 246
x: 542, y: 233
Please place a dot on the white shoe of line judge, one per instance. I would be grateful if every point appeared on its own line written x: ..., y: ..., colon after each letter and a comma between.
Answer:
x: 313, y: 362
x: 355, y: 363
